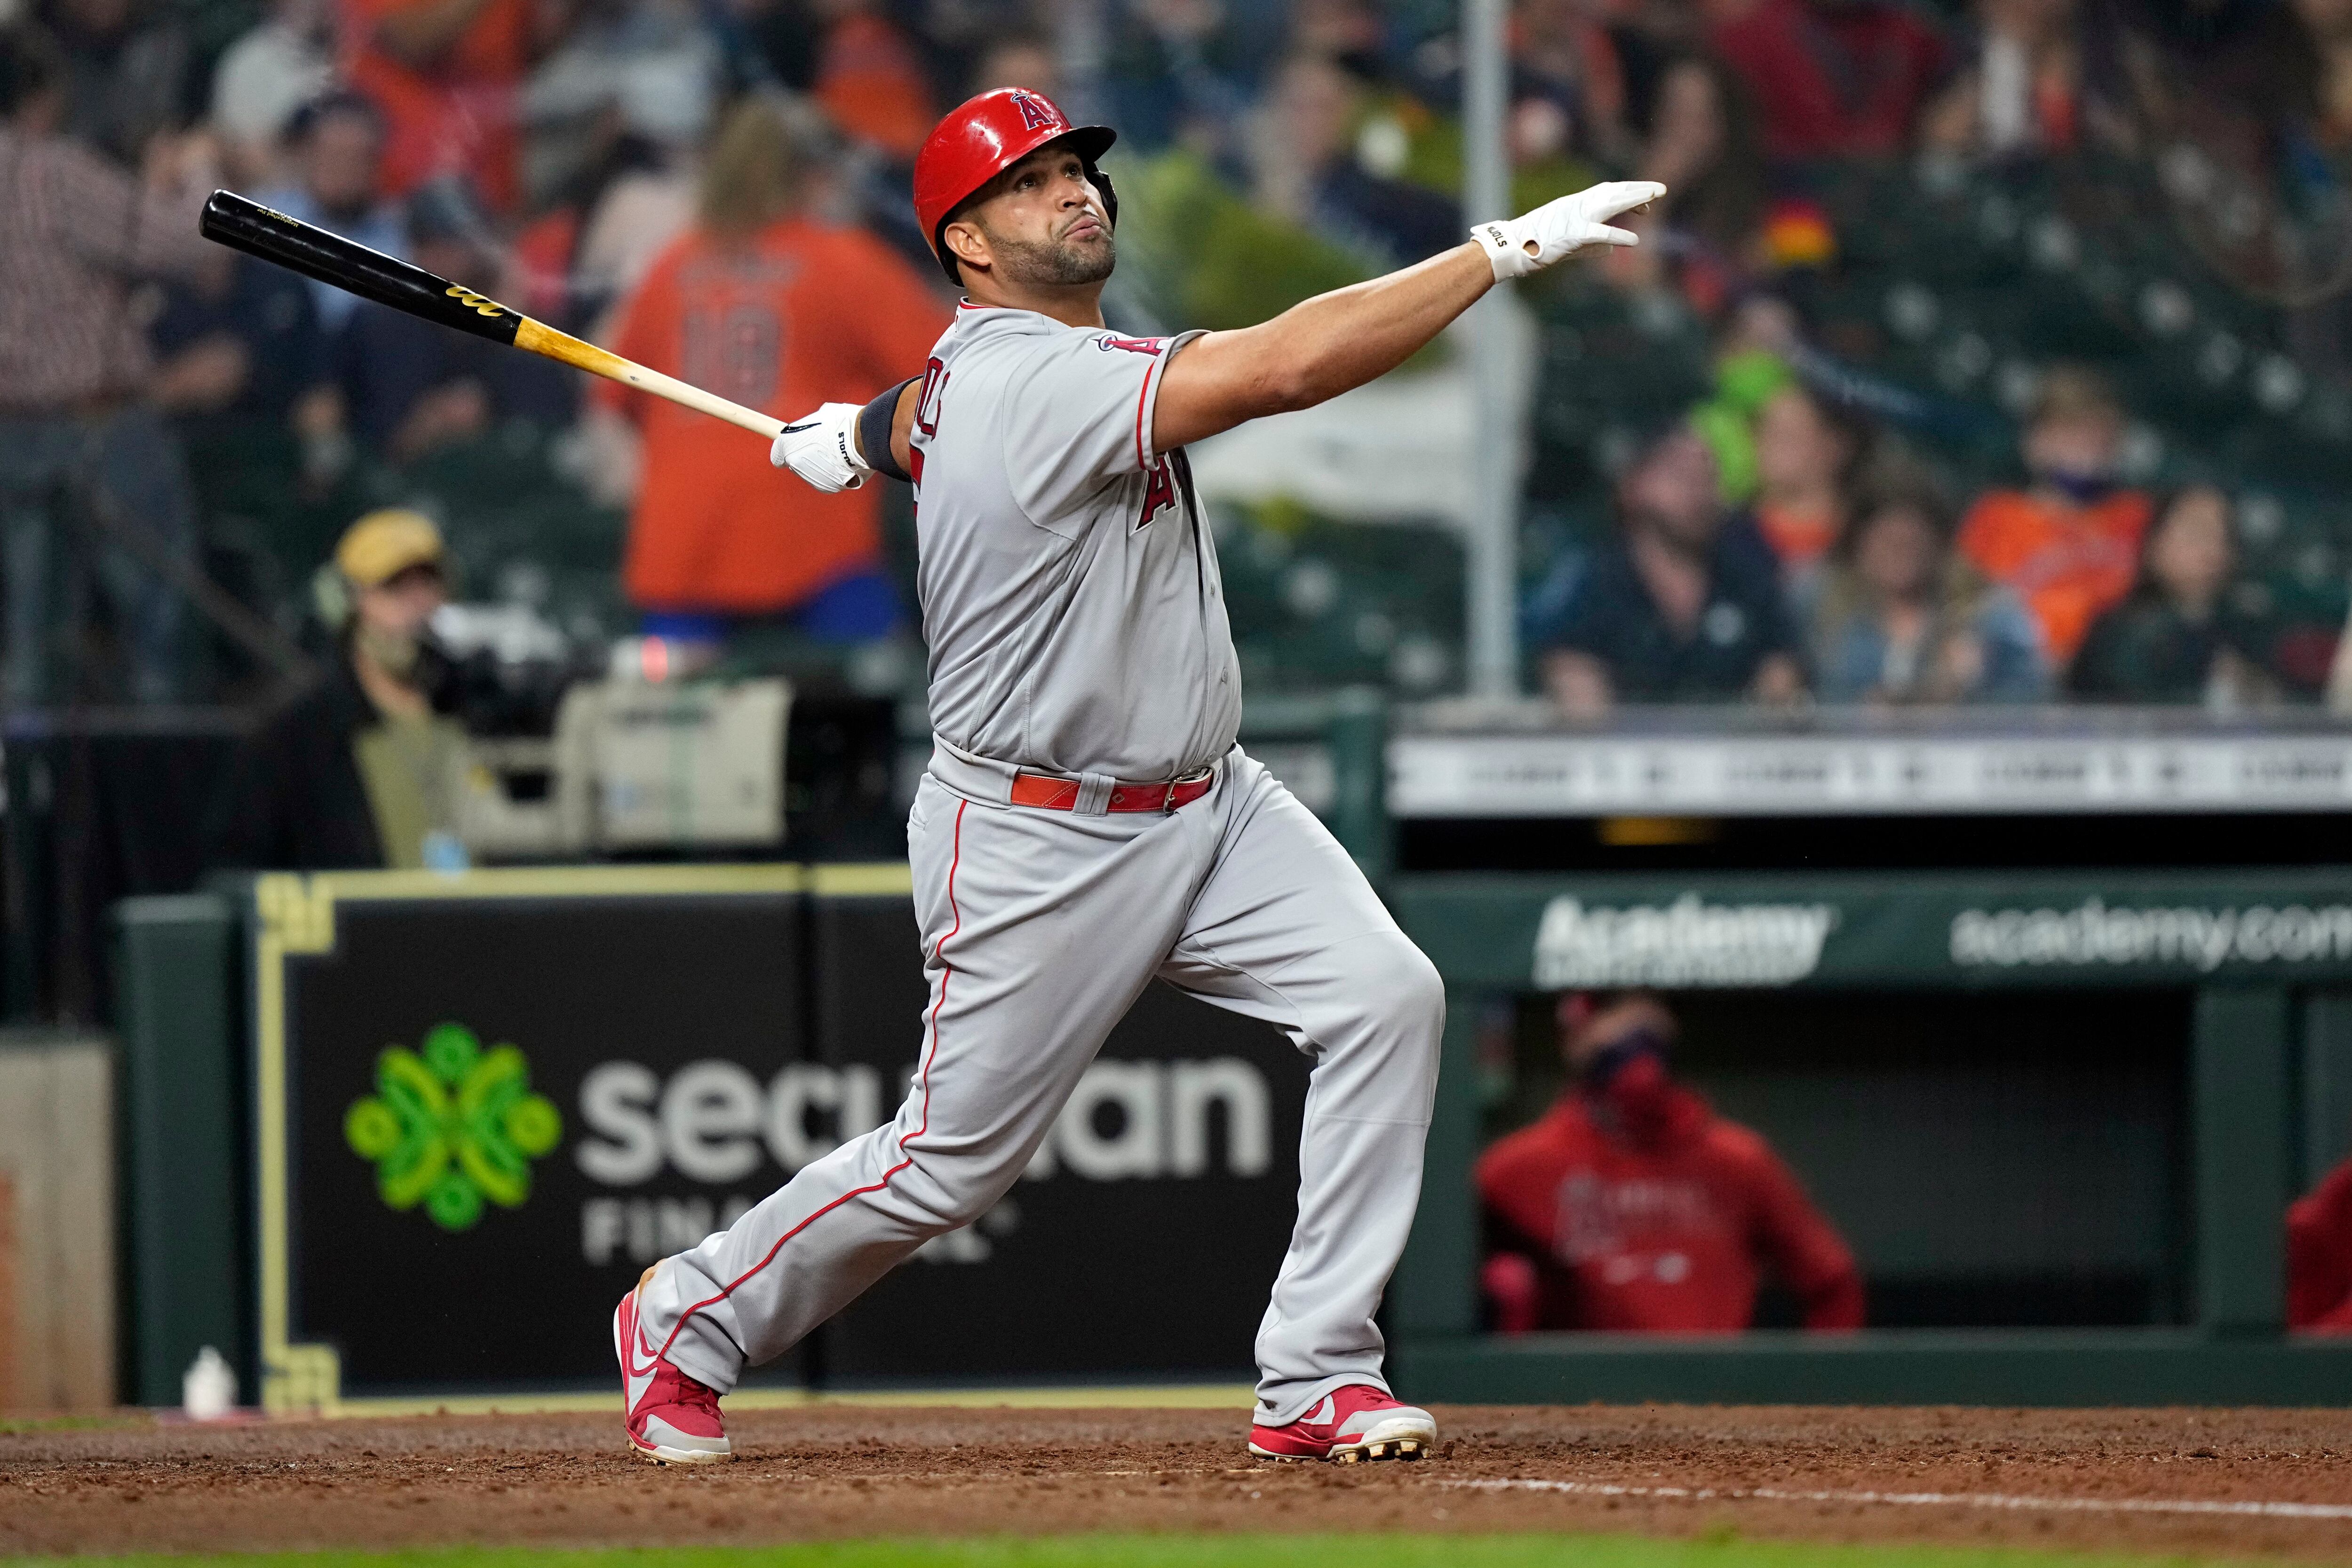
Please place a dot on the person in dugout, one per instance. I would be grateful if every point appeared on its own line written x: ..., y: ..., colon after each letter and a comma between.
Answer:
x: 1631, y: 1206
x: 2319, y: 1256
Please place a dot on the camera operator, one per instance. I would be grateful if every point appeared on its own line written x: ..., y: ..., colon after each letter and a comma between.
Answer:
x: 366, y: 767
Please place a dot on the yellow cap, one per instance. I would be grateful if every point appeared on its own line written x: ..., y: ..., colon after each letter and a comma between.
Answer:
x: 383, y: 544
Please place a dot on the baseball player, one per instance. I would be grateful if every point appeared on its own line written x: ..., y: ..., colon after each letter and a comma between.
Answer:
x: 1087, y: 822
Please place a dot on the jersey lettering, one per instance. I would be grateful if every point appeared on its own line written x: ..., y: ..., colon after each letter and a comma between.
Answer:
x: 927, y: 402
x: 1159, y: 491
x: 737, y: 351
x: 1132, y: 345
x: 1035, y: 113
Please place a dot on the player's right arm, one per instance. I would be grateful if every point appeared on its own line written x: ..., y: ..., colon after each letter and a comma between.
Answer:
x: 1337, y: 341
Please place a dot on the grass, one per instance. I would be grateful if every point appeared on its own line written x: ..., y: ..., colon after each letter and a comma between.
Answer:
x: 20, y: 1426
x: 1718, y: 1549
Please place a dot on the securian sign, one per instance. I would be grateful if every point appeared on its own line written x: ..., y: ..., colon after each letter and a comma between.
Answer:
x: 452, y: 1126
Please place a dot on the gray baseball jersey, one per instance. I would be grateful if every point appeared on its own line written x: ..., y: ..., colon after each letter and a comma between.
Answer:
x: 1069, y: 588
x: 1077, y: 625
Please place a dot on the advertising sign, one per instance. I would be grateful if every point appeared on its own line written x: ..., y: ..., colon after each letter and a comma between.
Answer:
x: 1937, y: 929
x: 486, y: 1102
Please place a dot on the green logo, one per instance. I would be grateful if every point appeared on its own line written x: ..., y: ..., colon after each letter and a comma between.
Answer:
x: 452, y: 1126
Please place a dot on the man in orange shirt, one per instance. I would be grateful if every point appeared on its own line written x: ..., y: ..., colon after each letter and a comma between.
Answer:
x: 445, y: 73
x: 760, y: 304
x: 2068, y: 545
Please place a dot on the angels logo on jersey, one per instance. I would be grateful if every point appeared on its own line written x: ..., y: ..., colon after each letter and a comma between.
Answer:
x: 1150, y: 346
x: 1159, y: 491
x: 1168, y: 480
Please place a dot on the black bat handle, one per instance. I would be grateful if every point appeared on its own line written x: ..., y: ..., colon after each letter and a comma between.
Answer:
x: 248, y: 226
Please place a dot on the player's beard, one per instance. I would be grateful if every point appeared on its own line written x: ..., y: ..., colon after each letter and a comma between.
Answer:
x: 1056, y: 263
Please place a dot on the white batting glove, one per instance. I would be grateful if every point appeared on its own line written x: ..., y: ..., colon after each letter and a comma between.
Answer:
x: 821, y: 447
x: 1559, y: 229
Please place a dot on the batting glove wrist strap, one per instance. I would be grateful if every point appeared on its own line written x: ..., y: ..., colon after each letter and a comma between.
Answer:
x: 1559, y: 229
x: 820, y: 448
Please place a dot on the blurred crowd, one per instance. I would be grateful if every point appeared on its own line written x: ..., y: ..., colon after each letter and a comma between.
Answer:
x: 717, y: 187
x: 1850, y: 575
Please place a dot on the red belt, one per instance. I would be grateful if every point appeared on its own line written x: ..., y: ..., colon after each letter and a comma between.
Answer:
x: 1050, y: 792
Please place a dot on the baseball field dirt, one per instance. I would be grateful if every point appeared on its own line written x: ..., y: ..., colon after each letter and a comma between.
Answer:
x: 2202, y: 1485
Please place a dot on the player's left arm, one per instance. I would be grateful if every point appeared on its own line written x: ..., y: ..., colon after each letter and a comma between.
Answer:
x: 1802, y: 1244
x: 1322, y: 347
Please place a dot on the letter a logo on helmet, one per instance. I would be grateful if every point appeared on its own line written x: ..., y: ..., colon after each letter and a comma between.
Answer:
x: 985, y: 137
x: 1035, y: 113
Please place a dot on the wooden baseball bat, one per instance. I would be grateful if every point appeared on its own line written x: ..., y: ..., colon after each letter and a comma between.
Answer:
x: 248, y: 226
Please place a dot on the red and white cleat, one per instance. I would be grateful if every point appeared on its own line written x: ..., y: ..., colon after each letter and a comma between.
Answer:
x: 1351, y: 1424
x: 671, y: 1418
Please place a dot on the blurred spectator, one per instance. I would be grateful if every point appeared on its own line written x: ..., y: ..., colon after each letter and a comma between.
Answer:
x: 1751, y: 363
x: 1631, y: 1206
x: 1347, y: 31
x: 2021, y: 92
x: 2319, y: 1256
x: 412, y: 388
x: 2303, y: 81
x: 243, y: 341
x: 1018, y: 59
x: 2178, y: 637
x: 869, y: 79
x: 642, y: 72
x: 1833, y: 78
x: 1702, y: 146
x: 601, y: 231
x: 1901, y: 618
x: 363, y: 768
x: 84, y: 459
x: 286, y: 61
x: 445, y: 73
x: 1805, y: 454
x: 1678, y: 607
x: 784, y: 38
x: 760, y: 303
x: 128, y: 72
x: 1568, y: 92
x: 1307, y: 170
x: 334, y: 147
x: 1185, y: 69
x: 2068, y: 544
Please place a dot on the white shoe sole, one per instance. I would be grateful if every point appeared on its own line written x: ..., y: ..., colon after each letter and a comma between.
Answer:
x: 661, y: 1456
x: 1405, y: 1439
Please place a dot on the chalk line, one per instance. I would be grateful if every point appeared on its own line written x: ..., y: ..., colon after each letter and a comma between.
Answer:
x: 2008, y: 1501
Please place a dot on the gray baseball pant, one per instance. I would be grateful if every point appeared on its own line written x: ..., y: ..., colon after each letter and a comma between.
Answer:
x: 1039, y: 928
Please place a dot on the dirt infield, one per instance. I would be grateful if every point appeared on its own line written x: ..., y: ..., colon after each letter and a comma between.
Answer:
x: 2243, y: 1483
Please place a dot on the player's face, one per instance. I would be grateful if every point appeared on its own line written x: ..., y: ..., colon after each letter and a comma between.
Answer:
x: 1045, y: 225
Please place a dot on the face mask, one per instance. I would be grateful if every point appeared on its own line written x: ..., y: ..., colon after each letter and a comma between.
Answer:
x: 1630, y: 1078
x: 2083, y: 487
x: 394, y: 653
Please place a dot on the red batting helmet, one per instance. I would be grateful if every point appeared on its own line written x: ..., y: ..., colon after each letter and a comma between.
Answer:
x: 985, y: 137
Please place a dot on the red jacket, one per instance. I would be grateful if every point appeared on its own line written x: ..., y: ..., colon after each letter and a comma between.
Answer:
x: 1670, y: 1238
x: 1834, y: 80
x: 2319, y: 1256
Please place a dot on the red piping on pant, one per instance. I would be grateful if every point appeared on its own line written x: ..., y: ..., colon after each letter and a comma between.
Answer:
x: 954, y: 859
